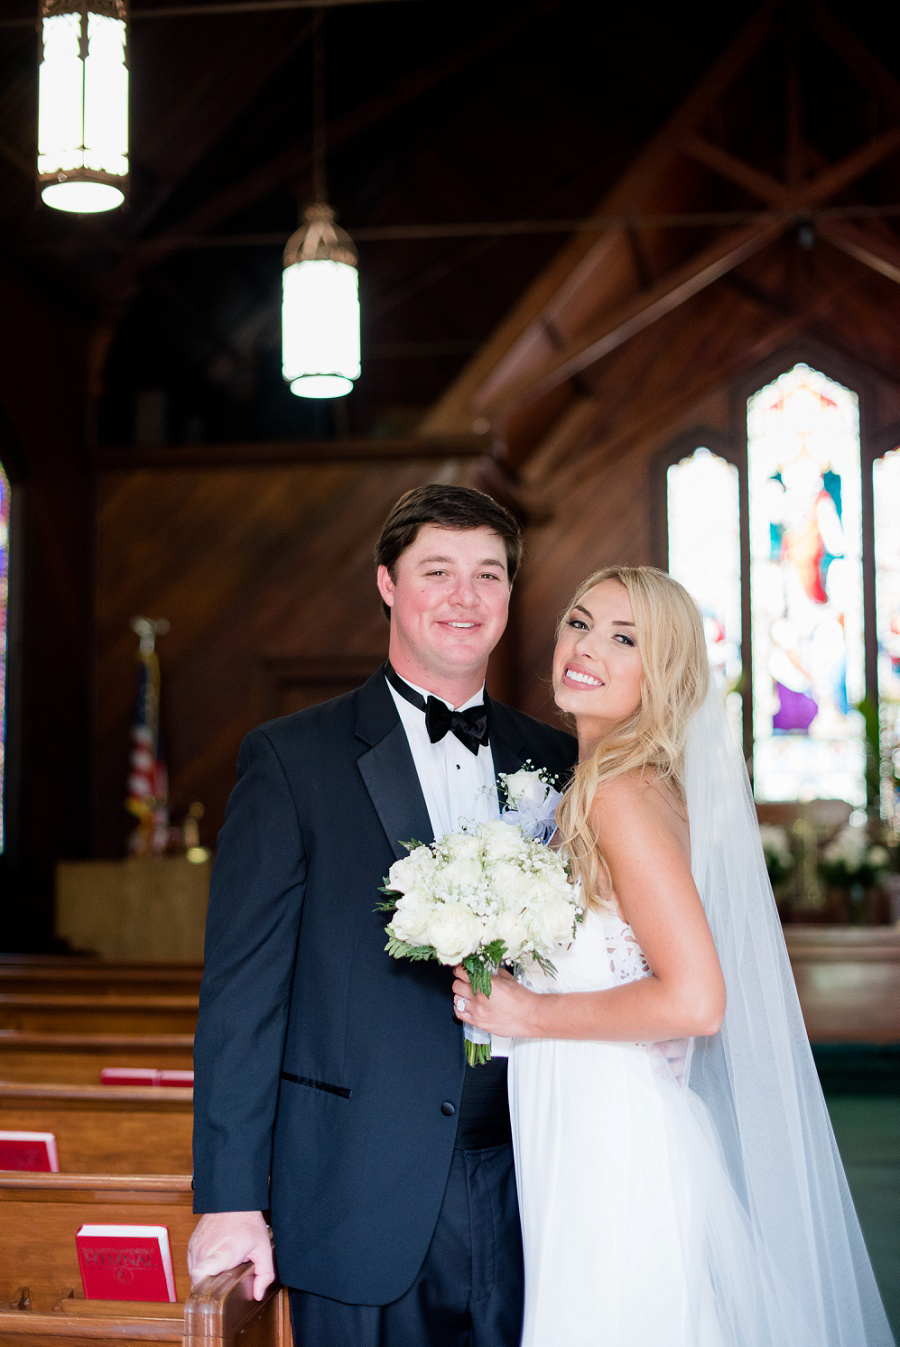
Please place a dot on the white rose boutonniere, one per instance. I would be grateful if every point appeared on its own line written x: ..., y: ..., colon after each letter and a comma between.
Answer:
x: 529, y: 798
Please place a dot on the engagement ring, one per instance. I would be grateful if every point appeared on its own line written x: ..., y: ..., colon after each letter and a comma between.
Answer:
x: 460, y: 1004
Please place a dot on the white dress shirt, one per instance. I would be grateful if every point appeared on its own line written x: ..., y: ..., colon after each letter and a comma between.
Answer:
x: 459, y: 786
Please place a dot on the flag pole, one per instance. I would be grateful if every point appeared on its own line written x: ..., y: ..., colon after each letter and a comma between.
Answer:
x: 147, y: 791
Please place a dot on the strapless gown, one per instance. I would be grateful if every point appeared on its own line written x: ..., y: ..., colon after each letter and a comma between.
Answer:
x: 633, y: 1235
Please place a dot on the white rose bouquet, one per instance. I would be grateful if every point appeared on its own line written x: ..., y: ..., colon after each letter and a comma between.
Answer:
x: 481, y: 898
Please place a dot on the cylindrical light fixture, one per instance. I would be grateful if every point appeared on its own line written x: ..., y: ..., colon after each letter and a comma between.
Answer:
x: 320, y: 308
x: 83, y: 104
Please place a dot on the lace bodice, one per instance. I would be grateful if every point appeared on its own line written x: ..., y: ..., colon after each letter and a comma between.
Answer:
x: 603, y: 954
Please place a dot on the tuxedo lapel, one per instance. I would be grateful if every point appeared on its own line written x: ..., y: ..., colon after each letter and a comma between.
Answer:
x: 387, y: 768
x: 506, y: 738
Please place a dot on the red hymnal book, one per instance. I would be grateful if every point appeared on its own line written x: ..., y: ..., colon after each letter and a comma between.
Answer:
x: 145, y: 1075
x: 29, y: 1150
x: 185, y: 1079
x: 125, y: 1262
x: 129, y: 1075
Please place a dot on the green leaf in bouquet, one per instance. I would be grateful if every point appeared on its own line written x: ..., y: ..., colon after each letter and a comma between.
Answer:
x: 544, y: 964
x: 481, y: 967
x: 475, y: 970
x: 398, y: 949
x: 495, y: 952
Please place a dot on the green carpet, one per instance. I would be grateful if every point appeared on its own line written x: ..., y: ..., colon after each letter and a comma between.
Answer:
x: 862, y: 1089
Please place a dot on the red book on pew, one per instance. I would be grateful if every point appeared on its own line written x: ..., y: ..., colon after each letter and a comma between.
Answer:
x: 145, y: 1075
x: 29, y: 1150
x: 125, y: 1262
x: 184, y: 1079
x: 129, y: 1075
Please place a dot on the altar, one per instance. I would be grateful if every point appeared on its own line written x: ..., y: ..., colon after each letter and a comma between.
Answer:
x: 148, y: 907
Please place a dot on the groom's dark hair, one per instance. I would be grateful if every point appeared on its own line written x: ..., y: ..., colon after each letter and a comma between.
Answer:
x: 447, y: 507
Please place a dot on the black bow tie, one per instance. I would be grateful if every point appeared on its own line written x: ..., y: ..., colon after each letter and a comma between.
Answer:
x: 470, y: 727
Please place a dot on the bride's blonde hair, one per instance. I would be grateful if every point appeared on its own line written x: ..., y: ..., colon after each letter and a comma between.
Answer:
x: 674, y: 682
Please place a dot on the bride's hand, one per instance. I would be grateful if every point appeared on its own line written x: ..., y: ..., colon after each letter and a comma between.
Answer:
x: 504, y: 1012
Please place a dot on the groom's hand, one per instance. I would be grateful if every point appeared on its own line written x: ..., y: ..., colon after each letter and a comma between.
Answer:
x: 225, y: 1239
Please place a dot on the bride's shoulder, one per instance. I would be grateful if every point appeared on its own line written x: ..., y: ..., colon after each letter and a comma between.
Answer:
x: 638, y: 798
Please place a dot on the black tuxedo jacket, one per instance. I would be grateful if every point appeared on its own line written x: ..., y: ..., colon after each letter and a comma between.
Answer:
x: 328, y: 1074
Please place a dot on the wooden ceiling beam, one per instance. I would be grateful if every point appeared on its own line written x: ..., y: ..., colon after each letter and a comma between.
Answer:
x: 457, y: 408
x: 638, y: 313
x: 863, y: 245
x: 837, y: 177
x: 735, y: 170
x: 807, y: 195
x: 648, y: 422
x: 296, y: 159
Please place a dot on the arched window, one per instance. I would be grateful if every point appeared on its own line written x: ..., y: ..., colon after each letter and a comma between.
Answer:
x: 769, y: 539
x: 806, y: 593
x: 704, y: 542
x: 4, y: 641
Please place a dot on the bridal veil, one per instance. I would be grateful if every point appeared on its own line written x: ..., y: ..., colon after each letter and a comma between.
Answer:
x: 808, y: 1278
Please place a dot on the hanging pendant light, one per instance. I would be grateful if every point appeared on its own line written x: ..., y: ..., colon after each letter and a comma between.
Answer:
x: 83, y: 105
x: 320, y: 308
x: 320, y: 281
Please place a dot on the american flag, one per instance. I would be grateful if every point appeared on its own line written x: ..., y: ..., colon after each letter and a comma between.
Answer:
x: 147, y: 792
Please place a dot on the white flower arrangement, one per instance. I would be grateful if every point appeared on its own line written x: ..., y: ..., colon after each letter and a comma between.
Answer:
x: 485, y: 897
x: 852, y: 858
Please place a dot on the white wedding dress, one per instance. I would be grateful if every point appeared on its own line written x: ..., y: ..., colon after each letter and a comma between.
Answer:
x: 700, y: 1202
x: 633, y: 1236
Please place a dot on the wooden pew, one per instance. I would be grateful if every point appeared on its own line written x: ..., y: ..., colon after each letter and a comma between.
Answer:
x: 40, y: 1287
x: 105, y: 1128
x: 76, y: 1059
x: 84, y: 1013
x: 99, y: 978
x: 848, y: 981
x: 18, y: 959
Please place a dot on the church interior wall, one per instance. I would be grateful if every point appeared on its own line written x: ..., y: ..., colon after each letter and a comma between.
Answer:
x: 42, y: 410
x: 266, y: 572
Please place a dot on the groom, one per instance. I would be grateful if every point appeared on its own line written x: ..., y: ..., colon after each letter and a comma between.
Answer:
x: 331, y: 1085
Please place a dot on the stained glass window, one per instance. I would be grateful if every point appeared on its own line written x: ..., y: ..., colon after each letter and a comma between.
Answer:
x: 703, y: 511
x: 4, y: 592
x: 806, y: 589
x: 886, y: 490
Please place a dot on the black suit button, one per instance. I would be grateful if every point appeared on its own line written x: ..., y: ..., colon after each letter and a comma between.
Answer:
x: 448, y: 1109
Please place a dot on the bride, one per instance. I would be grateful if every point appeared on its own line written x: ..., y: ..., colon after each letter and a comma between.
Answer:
x: 678, y: 1179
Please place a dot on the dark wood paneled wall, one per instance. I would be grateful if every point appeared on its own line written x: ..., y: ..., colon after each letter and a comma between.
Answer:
x: 267, y: 577
x: 42, y: 362
x: 265, y: 570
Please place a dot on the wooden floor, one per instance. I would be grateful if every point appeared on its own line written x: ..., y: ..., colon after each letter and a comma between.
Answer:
x: 862, y: 1090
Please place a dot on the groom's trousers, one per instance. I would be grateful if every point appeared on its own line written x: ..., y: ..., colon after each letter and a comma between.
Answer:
x: 469, y: 1290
